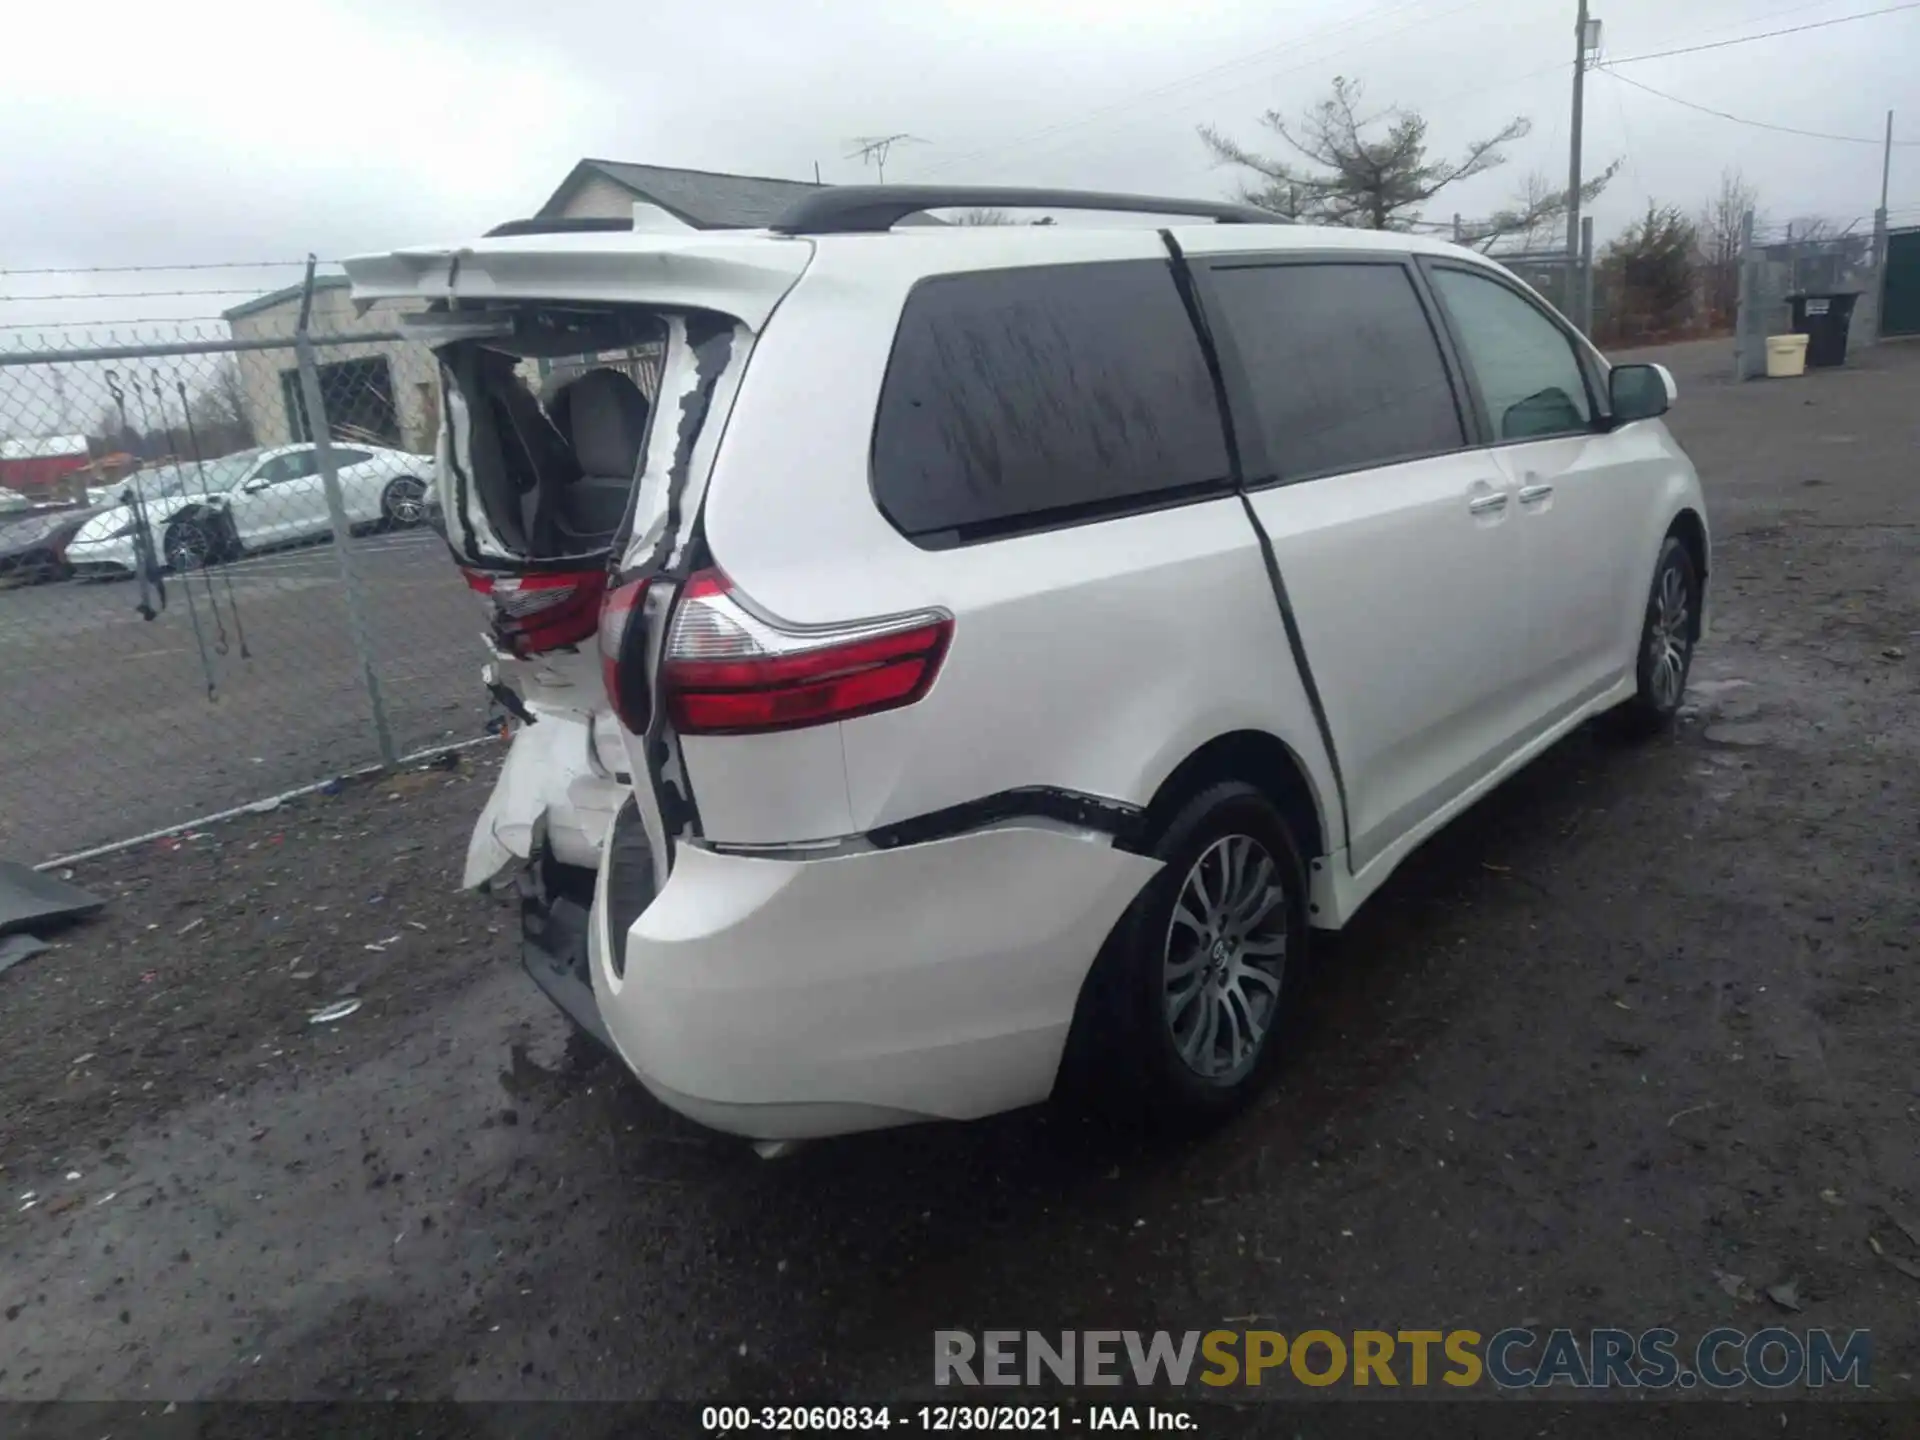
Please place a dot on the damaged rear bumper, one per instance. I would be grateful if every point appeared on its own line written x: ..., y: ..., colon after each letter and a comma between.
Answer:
x: 789, y: 999
x: 555, y: 908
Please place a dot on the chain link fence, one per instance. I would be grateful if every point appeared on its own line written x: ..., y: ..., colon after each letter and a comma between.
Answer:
x: 1818, y: 258
x: 221, y: 575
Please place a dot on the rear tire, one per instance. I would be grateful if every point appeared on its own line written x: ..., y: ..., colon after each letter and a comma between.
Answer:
x: 1667, y: 635
x: 1192, y: 1000
x: 187, y: 546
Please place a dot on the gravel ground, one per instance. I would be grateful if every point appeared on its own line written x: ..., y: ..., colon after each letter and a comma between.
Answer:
x: 1642, y: 1021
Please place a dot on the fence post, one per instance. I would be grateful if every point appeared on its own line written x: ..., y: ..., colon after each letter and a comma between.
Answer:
x: 1744, y: 319
x: 320, y: 433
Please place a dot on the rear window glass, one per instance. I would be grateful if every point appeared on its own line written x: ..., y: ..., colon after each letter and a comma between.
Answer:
x: 1343, y: 366
x: 1019, y: 398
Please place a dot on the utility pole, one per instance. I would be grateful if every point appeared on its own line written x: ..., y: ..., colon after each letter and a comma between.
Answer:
x: 1886, y: 175
x: 874, y: 149
x: 1886, y: 162
x: 1880, y: 238
x: 1580, y: 48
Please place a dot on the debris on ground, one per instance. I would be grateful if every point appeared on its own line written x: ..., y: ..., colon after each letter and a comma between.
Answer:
x: 15, y: 948
x: 31, y: 899
x: 1909, y: 1268
x: 1786, y: 1294
x: 328, y: 1014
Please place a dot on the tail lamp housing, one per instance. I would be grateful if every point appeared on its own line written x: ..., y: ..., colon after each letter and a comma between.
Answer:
x: 729, y: 670
x: 542, y: 611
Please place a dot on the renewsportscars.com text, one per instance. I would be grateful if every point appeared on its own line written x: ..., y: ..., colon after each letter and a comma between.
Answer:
x: 1513, y: 1358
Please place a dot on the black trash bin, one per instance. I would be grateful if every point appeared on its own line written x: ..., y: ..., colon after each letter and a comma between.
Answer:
x: 1823, y: 319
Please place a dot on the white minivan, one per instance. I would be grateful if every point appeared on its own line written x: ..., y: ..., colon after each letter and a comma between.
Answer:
x: 947, y: 656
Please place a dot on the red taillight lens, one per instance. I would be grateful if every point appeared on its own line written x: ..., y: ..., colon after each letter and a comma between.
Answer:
x: 535, y: 613
x: 729, y: 671
x: 623, y: 655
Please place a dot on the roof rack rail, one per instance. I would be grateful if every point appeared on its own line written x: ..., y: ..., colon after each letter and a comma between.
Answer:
x: 561, y: 225
x: 866, y: 209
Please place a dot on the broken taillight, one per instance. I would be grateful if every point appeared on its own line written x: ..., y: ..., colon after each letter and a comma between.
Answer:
x: 623, y: 655
x: 540, y: 612
x: 730, y: 671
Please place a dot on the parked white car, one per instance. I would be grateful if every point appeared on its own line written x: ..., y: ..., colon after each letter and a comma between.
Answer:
x: 1050, y: 628
x: 202, y: 514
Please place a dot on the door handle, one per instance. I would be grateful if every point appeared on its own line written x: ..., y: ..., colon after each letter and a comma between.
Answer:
x: 1531, y: 493
x: 1487, y: 504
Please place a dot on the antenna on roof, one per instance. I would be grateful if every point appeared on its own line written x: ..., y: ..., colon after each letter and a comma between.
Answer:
x: 874, y: 149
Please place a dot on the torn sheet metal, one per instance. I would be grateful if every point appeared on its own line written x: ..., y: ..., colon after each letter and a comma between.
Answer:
x: 30, y: 899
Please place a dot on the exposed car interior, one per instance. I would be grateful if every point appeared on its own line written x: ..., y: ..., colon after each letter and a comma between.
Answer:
x: 553, y: 446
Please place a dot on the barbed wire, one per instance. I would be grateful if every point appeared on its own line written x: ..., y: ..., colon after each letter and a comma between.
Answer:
x: 129, y: 294
x: 111, y: 324
x: 140, y: 269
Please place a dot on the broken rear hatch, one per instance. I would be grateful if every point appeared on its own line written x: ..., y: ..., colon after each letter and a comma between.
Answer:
x: 585, y: 379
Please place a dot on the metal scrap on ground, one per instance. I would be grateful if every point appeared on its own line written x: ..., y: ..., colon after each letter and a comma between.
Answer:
x: 29, y: 899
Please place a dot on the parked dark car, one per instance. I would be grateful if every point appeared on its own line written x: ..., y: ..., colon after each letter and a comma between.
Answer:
x: 33, y: 544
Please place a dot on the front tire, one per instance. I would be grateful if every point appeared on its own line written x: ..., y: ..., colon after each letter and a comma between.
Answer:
x: 1188, y: 1007
x: 1667, y: 635
x: 403, y: 504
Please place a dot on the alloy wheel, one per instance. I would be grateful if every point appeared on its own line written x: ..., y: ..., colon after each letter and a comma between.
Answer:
x: 1224, y: 956
x: 406, y: 501
x: 187, y: 546
x: 1669, y: 637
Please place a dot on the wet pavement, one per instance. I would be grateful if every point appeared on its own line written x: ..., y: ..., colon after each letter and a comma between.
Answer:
x: 1642, y: 1021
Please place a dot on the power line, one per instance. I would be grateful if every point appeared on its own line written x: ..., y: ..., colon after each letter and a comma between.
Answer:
x: 1768, y: 35
x: 1742, y: 120
x: 1133, y: 103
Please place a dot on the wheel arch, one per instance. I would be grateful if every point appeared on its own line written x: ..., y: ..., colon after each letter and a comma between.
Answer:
x: 214, y: 518
x: 1691, y: 531
x: 1264, y: 761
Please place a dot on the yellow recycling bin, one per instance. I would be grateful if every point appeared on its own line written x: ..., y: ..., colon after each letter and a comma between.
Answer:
x: 1786, y: 356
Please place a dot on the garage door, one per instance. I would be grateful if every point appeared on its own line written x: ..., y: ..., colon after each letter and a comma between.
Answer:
x: 1901, y: 308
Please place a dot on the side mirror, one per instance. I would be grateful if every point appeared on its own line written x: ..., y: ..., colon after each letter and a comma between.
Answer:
x: 1640, y: 392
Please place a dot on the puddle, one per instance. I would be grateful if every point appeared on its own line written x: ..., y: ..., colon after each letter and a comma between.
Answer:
x: 1739, y: 735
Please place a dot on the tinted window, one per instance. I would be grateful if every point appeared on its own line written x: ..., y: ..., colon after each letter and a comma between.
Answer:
x: 1014, y: 396
x: 1525, y: 366
x: 1344, y: 368
x: 344, y: 456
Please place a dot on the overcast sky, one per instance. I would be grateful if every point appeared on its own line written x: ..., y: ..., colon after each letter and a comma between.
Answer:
x: 209, y: 130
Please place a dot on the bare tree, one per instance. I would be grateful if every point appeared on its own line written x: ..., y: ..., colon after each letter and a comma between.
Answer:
x: 1536, y: 218
x: 1718, y: 227
x: 996, y: 217
x: 219, y: 411
x: 1356, y: 175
